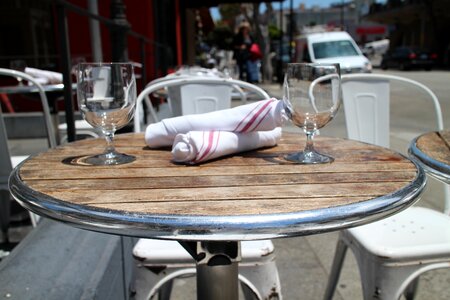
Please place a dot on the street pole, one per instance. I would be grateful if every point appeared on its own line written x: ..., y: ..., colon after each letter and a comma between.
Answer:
x: 280, y: 57
x: 65, y: 66
x: 119, y: 32
x: 96, y: 39
x: 291, y: 28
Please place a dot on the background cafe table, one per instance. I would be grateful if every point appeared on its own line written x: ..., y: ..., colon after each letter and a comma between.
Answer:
x: 54, y: 92
x: 209, y: 208
x: 432, y: 151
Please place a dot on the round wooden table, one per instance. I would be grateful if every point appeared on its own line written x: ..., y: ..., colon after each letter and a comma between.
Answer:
x: 210, y: 207
x: 432, y: 151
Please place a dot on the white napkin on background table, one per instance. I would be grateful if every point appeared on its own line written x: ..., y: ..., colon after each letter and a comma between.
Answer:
x: 257, y: 116
x: 44, y: 76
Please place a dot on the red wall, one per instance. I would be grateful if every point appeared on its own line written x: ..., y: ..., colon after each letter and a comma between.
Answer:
x: 139, y: 15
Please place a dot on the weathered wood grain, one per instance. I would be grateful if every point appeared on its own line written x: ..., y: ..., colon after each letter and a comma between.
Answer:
x: 436, y: 145
x: 255, y: 182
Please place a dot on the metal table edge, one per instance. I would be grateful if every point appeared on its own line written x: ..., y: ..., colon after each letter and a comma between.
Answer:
x: 216, y: 228
x: 435, y: 168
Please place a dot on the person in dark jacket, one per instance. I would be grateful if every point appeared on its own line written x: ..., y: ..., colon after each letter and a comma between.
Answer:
x: 242, y: 43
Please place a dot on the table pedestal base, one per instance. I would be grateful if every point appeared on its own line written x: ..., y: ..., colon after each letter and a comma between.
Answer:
x: 217, y: 269
x: 217, y: 282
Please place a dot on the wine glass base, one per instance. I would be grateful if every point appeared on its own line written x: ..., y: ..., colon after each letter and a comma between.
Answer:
x: 107, y: 159
x: 309, y: 158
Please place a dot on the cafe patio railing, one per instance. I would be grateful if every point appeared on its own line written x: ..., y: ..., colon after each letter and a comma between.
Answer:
x: 119, y: 28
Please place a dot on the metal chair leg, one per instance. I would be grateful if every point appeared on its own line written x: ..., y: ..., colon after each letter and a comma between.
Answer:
x: 165, y: 291
x: 410, y: 291
x: 341, y: 249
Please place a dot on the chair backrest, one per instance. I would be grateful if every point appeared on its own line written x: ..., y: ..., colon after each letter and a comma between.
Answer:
x: 366, y: 99
x: 188, y: 99
x: 47, y: 117
x: 200, y: 85
x: 193, y: 99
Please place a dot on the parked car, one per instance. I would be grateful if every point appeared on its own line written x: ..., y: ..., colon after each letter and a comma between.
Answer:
x: 332, y: 47
x: 406, y: 58
x: 379, y: 47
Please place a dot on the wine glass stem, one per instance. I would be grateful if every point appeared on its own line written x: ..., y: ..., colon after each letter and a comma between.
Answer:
x: 309, y: 142
x: 109, y: 136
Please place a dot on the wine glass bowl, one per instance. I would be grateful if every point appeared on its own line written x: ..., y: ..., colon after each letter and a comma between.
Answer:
x: 107, y: 97
x: 312, y: 96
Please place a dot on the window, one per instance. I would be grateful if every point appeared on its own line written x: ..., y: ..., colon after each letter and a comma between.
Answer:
x: 334, y: 49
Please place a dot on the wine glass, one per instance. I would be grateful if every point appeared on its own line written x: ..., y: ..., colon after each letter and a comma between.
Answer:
x: 18, y: 65
x: 107, y: 97
x: 312, y: 95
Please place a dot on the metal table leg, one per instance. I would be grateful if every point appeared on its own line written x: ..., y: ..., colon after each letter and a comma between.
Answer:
x: 217, y: 269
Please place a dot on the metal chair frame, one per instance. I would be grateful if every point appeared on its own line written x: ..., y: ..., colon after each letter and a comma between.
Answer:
x: 168, y: 82
x: 393, y: 252
x: 8, y: 162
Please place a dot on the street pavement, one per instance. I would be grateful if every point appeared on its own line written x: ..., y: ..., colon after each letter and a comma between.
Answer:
x: 304, y: 262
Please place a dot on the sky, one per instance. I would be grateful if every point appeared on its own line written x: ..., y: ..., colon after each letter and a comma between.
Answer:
x: 286, y: 4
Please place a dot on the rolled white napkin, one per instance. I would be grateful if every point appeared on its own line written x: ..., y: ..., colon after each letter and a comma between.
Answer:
x: 44, y: 76
x: 257, y: 116
x: 199, y: 146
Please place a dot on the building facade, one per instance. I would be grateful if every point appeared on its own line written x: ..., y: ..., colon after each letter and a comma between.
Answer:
x: 423, y: 23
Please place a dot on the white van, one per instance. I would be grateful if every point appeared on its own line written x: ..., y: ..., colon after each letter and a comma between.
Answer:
x: 332, y: 47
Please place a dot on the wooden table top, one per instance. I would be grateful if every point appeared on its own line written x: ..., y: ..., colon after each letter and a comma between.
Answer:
x: 432, y: 149
x: 258, y: 191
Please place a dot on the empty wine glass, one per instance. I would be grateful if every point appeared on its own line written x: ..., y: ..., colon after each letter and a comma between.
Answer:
x: 107, y: 98
x: 312, y: 95
x: 18, y: 65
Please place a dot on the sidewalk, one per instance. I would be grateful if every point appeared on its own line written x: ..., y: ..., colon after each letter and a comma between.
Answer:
x: 304, y: 262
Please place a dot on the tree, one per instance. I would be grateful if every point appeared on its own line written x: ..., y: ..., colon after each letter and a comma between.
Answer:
x: 221, y: 37
x: 260, y: 25
x: 229, y: 12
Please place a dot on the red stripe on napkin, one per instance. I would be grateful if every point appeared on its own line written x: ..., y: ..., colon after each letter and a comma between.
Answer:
x: 203, y: 143
x: 258, y: 113
x: 215, y: 144
x: 260, y: 120
x: 243, y: 120
x: 208, y: 148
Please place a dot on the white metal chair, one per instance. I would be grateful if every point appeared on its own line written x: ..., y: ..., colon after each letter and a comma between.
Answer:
x: 8, y: 162
x: 82, y: 128
x: 196, y: 71
x: 197, y: 94
x: 159, y: 262
x: 393, y: 252
x: 258, y: 272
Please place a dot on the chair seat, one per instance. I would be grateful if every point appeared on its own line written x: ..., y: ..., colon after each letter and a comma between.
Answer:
x: 83, y: 128
x: 406, y: 235
x: 15, y: 160
x: 79, y: 124
x: 159, y: 262
x: 151, y: 251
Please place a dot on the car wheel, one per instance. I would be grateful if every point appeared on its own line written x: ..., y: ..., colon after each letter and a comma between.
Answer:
x: 383, y: 65
x: 403, y: 67
x: 428, y: 69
